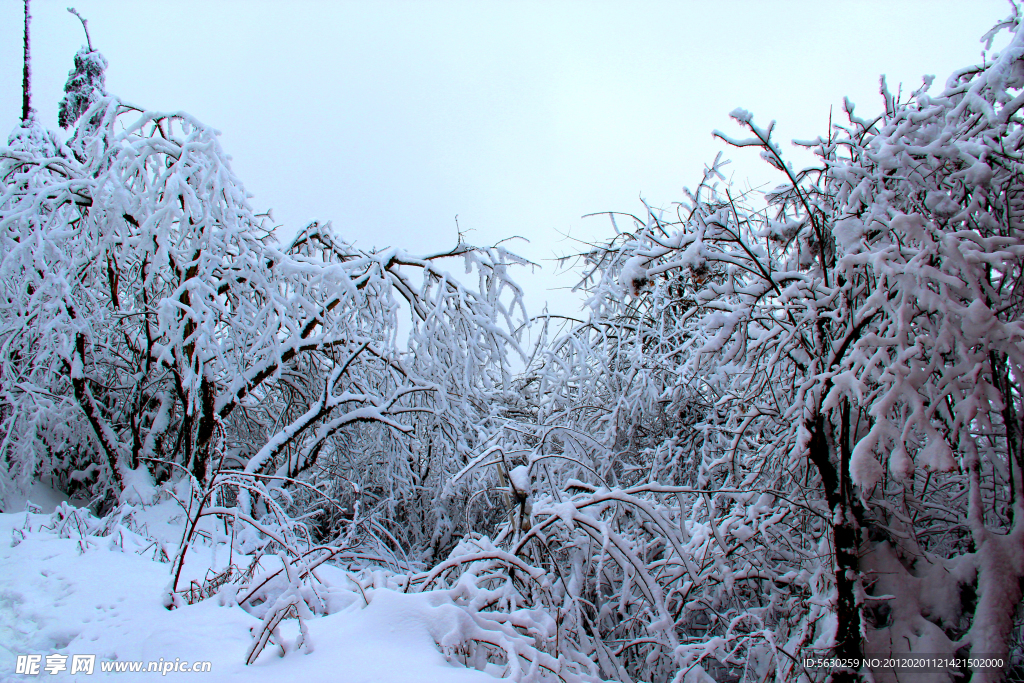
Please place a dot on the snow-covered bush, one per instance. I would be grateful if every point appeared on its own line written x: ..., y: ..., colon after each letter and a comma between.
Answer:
x: 791, y: 428
x: 152, y: 330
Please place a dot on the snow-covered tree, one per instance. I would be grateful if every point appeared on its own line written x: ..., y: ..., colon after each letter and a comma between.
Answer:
x: 151, y: 325
x: 86, y: 82
x: 791, y: 428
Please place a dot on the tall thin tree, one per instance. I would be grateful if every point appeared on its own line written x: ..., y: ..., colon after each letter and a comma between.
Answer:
x: 26, y: 74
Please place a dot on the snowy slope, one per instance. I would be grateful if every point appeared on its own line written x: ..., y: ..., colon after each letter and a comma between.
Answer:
x: 98, y: 595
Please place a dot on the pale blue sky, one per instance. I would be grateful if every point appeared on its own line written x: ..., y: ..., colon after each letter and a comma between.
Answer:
x: 390, y: 118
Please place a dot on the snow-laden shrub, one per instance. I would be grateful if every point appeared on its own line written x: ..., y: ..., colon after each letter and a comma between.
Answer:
x: 791, y: 427
x: 152, y: 328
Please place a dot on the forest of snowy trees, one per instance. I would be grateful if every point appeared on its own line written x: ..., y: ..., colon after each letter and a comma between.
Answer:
x: 788, y: 426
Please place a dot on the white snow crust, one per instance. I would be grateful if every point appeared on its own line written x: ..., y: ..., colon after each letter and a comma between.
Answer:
x: 102, y: 596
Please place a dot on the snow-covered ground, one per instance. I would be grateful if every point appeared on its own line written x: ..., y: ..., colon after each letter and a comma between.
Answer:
x: 66, y: 591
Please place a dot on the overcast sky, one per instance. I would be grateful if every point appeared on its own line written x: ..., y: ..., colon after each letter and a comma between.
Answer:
x: 391, y: 118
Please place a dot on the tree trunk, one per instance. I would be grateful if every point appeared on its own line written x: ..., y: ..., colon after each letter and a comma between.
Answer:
x: 845, y: 543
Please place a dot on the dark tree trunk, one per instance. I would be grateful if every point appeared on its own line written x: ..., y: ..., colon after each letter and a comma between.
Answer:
x: 205, y: 432
x: 26, y: 74
x: 845, y: 540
